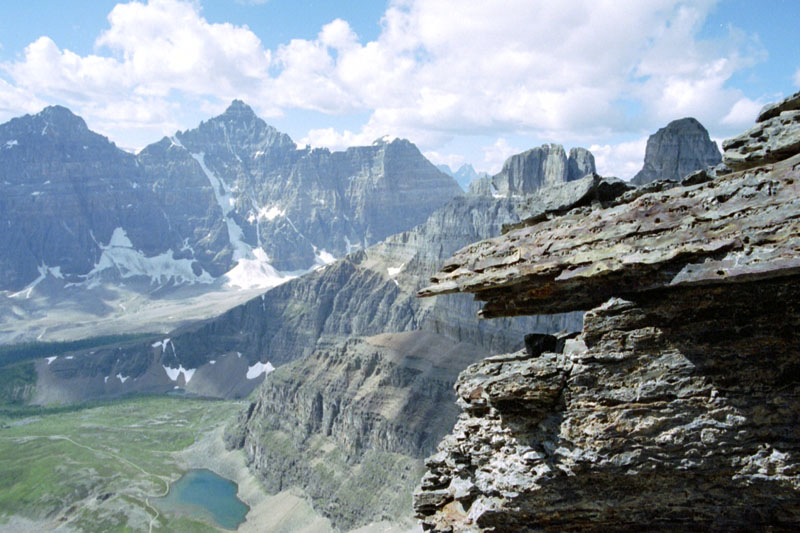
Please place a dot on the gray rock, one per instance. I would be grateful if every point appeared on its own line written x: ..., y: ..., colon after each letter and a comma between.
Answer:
x: 544, y: 166
x: 482, y: 187
x: 211, y: 195
x: 676, y: 408
x: 735, y: 228
x: 770, y: 141
x: 678, y: 149
x: 773, y: 110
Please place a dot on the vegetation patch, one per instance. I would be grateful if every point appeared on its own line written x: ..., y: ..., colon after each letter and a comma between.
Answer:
x: 97, y: 467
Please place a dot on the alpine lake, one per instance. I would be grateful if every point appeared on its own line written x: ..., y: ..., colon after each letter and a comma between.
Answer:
x: 201, y: 493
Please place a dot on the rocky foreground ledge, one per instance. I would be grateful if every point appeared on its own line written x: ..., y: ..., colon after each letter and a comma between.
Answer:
x: 677, y: 408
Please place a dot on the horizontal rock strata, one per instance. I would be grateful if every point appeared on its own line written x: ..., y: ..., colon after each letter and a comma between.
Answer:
x: 739, y: 227
x: 677, y: 406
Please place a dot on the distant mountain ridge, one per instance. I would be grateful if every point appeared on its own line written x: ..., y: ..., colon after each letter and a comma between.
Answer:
x: 465, y: 174
x: 232, y: 197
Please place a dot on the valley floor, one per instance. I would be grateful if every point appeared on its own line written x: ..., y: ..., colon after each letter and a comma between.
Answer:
x: 98, y: 468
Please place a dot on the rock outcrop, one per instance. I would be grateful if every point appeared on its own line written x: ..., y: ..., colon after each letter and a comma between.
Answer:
x: 547, y: 165
x: 677, y: 406
x: 676, y: 150
x: 775, y: 137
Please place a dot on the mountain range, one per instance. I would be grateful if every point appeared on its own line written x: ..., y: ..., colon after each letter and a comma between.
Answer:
x: 315, y: 257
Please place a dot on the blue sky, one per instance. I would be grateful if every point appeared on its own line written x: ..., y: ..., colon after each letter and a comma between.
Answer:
x: 467, y: 81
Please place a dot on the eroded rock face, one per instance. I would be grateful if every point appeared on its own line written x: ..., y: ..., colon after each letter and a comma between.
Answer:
x: 775, y: 137
x: 677, y: 406
x: 741, y: 226
x: 676, y: 150
x: 547, y: 165
x: 664, y: 414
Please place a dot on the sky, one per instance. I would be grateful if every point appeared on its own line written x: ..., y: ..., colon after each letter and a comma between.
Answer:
x: 468, y: 81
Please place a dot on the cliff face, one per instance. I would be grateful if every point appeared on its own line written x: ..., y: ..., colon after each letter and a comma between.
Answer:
x: 676, y: 150
x: 367, y: 293
x: 380, y: 394
x: 547, y: 165
x: 233, y: 192
x: 676, y: 407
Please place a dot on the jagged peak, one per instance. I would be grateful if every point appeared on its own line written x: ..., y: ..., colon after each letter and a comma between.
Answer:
x: 239, y: 109
x: 686, y: 123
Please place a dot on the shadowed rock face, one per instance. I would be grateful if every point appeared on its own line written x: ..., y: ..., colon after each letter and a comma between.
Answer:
x: 366, y: 293
x: 676, y: 150
x: 676, y: 408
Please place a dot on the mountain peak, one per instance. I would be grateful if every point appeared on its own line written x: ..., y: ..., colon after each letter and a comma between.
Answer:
x: 676, y: 150
x: 239, y: 109
x: 61, y: 118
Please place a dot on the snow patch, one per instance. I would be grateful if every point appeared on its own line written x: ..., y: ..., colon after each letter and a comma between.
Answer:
x: 122, y: 378
x: 51, y: 359
x: 393, y: 271
x: 69, y: 357
x: 270, y: 213
x: 322, y: 257
x: 105, y: 379
x: 212, y: 362
x: 226, y: 202
x: 173, y: 373
x: 11, y: 143
x: 259, y: 368
x: 119, y: 255
x: 44, y: 270
x: 255, y: 272
x: 239, y: 355
x: 351, y: 246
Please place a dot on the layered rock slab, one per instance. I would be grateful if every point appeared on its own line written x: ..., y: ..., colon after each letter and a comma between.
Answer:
x: 739, y: 227
x: 676, y: 408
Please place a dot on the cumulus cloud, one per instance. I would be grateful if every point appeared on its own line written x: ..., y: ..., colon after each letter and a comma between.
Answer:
x: 494, y: 155
x: 743, y: 113
x: 622, y: 160
x: 553, y: 70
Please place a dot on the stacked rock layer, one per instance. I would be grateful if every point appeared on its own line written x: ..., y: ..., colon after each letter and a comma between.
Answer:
x: 678, y: 405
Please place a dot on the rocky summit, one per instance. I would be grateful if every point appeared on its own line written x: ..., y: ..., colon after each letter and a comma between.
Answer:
x: 547, y: 165
x: 677, y: 406
x: 232, y: 197
x: 676, y: 150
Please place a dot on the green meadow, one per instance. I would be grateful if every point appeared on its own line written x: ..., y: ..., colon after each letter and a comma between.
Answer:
x: 97, y: 467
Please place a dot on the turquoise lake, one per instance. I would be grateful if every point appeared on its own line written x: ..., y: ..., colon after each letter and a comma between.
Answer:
x: 202, y: 493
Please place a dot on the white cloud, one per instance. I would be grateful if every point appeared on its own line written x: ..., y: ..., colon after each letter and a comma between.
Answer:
x: 454, y: 161
x: 743, y: 113
x: 496, y: 154
x: 151, y: 51
x: 797, y: 78
x: 622, y: 160
x: 439, y: 68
